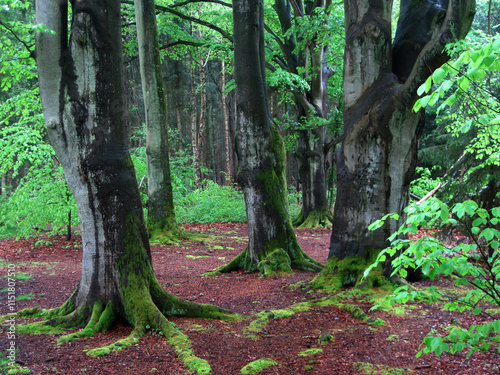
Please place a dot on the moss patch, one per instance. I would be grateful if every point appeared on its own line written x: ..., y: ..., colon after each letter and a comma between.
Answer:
x: 371, y: 369
x: 309, y: 352
x: 275, y: 263
x: 348, y: 272
x: 258, y: 365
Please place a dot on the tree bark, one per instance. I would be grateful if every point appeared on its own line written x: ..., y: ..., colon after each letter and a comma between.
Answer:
x: 380, y: 129
x: 272, y: 243
x: 81, y: 88
x: 161, y: 213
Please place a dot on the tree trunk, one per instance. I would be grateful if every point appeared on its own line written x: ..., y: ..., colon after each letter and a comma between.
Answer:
x: 161, y: 214
x: 198, y: 156
x: 194, y: 132
x: 272, y: 243
x: 83, y: 101
x: 227, y: 153
x: 380, y: 129
x: 313, y: 103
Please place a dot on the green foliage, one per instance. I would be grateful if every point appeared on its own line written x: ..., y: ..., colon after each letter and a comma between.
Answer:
x: 424, y: 183
x: 41, y: 200
x: 464, y: 140
x: 474, y: 261
x: 214, y: 203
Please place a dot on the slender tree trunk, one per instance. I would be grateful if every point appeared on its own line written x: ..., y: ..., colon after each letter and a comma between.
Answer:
x: 203, y: 123
x: 380, y: 129
x: 272, y: 243
x: 82, y: 94
x: 227, y: 137
x: 194, y: 132
x: 161, y: 214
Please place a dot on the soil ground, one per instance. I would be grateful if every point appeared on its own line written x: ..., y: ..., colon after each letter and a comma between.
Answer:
x: 47, y: 275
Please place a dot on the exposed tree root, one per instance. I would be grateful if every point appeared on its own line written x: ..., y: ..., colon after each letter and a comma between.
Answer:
x: 314, y: 219
x: 150, y: 311
x: 297, y: 259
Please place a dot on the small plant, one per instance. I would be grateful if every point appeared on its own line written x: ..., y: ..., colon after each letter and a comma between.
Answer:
x: 474, y: 261
x: 25, y: 297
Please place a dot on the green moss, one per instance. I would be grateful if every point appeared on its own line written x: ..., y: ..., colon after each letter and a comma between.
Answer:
x: 348, y: 272
x: 275, y: 263
x: 371, y: 369
x: 393, y: 338
x: 39, y: 328
x: 312, y: 351
x: 325, y: 338
x: 258, y: 365
x: 354, y: 310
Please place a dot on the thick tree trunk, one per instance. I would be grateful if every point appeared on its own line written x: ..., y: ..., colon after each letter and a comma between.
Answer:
x: 380, y: 129
x: 83, y: 100
x: 272, y: 243
x: 161, y: 214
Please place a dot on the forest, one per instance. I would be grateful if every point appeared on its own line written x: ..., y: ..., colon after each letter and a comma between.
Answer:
x: 262, y: 186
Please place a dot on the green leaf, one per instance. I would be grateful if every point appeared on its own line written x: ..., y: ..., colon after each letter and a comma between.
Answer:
x: 487, y: 234
x: 466, y: 127
x: 438, y: 75
x: 428, y: 85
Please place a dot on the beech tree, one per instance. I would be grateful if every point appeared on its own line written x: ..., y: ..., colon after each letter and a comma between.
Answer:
x: 161, y: 213
x: 272, y: 244
x: 305, y: 56
x: 83, y: 102
x: 381, y: 130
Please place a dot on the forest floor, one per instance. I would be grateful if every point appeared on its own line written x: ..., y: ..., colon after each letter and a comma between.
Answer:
x: 46, y: 275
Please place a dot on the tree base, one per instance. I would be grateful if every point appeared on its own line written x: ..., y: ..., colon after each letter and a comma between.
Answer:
x: 150, y: 311
x: 271, y: 262
x: 315, y: 219
x: 348, y: 272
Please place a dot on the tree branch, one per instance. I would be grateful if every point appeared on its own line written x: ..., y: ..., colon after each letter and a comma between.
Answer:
x: 188, y: 18
x: 456, y: 25
x: 28, y: 47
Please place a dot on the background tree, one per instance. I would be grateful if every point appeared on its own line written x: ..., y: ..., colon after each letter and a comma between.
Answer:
x: 272, y: 243
x: 161, y: 213
x: 82, y: 96
x: 305, y: 66
x: 381, y: 79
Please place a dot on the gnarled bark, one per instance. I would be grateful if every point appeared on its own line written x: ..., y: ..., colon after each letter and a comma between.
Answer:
x: 380, y: 129
x: 83, y: 100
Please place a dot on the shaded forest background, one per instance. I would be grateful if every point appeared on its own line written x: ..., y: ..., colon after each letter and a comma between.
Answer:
x: 197, y: 71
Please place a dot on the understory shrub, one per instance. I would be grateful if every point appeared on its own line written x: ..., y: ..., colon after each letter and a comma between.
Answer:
x: 466, y: 249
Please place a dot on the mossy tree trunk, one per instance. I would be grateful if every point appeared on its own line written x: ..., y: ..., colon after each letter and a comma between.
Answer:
x: 260, y: 152
x: 381, y: 131
x: 161, y: 213
x: 83, y: 101
x: 311, y: 104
